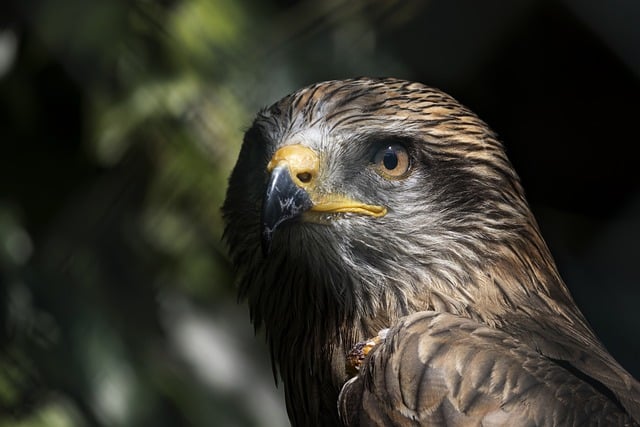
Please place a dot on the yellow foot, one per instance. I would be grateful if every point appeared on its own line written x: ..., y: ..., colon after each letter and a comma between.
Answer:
x: 355, y: 357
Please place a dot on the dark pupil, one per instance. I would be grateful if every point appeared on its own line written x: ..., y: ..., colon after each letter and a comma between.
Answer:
x: 390, y: 160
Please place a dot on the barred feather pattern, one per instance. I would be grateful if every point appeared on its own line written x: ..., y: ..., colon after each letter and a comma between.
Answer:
x: 458, y: 238
x: 505, y: 374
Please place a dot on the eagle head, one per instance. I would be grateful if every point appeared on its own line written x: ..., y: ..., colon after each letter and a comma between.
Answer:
x: 356, y: 202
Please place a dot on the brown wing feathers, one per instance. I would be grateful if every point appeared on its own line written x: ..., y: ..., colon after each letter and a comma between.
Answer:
x: 441, y: 369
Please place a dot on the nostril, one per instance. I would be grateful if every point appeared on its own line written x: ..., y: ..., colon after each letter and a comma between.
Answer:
x: 304, y: 177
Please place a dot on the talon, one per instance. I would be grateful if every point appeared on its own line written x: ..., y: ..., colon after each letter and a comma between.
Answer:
x: 357, y: 354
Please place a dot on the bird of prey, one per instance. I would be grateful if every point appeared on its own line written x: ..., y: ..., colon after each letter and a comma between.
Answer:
x: 383, y: 242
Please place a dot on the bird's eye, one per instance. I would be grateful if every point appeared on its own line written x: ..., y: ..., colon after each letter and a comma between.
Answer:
x: 392, y: 161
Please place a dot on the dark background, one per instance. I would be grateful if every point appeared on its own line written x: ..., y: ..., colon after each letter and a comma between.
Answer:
x: 120, y: 122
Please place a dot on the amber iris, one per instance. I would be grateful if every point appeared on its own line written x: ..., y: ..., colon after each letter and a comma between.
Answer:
x: 392, y: 161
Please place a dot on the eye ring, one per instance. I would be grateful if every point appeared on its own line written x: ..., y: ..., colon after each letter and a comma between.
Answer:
x: 392, y: 161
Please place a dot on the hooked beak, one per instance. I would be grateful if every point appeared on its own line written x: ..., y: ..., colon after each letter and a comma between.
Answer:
x: 291, y: 192
x: 283, y: 201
